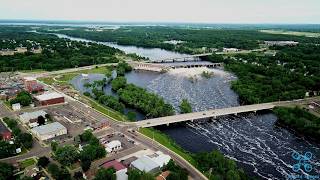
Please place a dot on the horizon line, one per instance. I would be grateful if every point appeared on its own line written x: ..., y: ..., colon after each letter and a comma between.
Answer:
x: 154, y: 22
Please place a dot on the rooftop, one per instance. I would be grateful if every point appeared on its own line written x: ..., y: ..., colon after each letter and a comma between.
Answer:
x: 113, y: 144
x: 3, y: 128
x: 46, y: 129
x: 48, y: 96
x: 115, y: 164
x: 29, y: 79
x: 32, y: 115
x: 145, y: 163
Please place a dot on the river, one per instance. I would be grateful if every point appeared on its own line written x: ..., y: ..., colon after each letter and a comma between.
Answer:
x: 259, y: 146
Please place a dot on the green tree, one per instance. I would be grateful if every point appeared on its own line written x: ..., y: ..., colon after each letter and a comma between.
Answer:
x: 104, y: 174
x: 118, y: 83
x: 66, y: 155
x: 41, y: 120
x: 54, y: 145
x: 185, y: 106
x: 43, y: 162
x: 6, y: 171
x: 78, y: 175
x: 85, y: 164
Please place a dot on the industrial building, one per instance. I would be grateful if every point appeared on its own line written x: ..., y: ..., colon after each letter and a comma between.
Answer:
x: 31, y: 118
x: 151, y: 163
x: 49, y: 131
x: 50, y: 98
x: 31, y: 84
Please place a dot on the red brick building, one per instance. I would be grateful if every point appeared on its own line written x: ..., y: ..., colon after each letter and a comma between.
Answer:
x: 50, y: 98
x: 32, y: 85
x: 4, y: 132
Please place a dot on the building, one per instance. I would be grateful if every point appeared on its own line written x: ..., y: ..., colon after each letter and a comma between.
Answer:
x: 281, y: 43
x: 230, y: 50
x: 4, y: 132
x: 50, y: 98
x: 16, y: 106
x: 31, y: 84
x: 113, y: 146
x: 151, y: 163
x: 121, y: 170
x: 49, y: 131
x: 31, y: 118
x: 146, y: 164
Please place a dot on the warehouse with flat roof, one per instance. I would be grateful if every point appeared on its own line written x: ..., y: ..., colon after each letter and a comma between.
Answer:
x: 50, y: 98
x: 49, y: 131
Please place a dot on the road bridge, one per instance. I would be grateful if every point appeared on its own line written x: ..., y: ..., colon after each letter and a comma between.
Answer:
x: 207, y: 114
x: 166, y: 67
x: 186, y: 58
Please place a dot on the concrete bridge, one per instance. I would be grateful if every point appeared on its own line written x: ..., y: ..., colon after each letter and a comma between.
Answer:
x: 187, y: 58
x: 207, y: 114
x: 166, y: 67
x: 195, y: 65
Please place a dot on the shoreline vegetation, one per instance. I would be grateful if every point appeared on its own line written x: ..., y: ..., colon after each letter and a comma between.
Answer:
x: 301, y: 121
x: 213, y: 165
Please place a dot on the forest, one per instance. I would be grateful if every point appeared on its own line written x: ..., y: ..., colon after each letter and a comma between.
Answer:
x: 56, y: 53
x: 286, y: 76
x: 192, y: 38
x: 300, y: 120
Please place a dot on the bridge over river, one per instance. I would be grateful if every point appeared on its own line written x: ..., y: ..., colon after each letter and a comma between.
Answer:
x: 214, y: 113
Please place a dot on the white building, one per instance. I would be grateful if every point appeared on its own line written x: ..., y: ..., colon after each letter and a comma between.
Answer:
x: 151, y: 163
x: 31, y: 118
x: 230, y: 50
x: 49, y: 131
x: 113, y: 146
x: 16, y: 106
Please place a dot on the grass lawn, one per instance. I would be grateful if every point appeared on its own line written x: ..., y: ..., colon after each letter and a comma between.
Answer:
x: 47, y: 80
x: 27, y: 162
x: 105, y: 110
x: 167, y: 142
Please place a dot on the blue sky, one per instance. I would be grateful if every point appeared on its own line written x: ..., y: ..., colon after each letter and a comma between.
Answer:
x: 205, y: 11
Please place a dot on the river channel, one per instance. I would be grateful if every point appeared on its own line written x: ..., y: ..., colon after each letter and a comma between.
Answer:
x: 260, y: 147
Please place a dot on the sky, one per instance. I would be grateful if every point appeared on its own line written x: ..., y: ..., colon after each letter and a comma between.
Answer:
x: 194, y: 11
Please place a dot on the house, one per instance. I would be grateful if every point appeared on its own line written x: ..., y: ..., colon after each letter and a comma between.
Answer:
x: 230, y: 50
x: 113, y: 146
x: 163, y: 175
x: 16, y: 106
x: 4, y: 132
x: 121, y: 170
x: 31, y: 84
x: 49, y: 131
x: 50, y: 98
x: 31, y: 118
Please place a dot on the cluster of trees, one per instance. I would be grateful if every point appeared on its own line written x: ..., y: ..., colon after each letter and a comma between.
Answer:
x: 112, y: 102
x: 148, y: 103
x: 23, y: 97
x: 103, y: 174
x: 69, y: 154
x: 176, y: 172
x: 134, y: 174
x: 21, y: 139
x: 288, y: 75
x: 216, y: 166
x: 155, y: 37
x: 59, y: 173
x: 56, y: 53
x: 6, y: 171
x: 185, y: 106
x: 122, y: 68
x: 300, y: 120
x: 92, y: 151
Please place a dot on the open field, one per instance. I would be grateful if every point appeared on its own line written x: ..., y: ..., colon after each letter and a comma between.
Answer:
x: 294, y: 33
